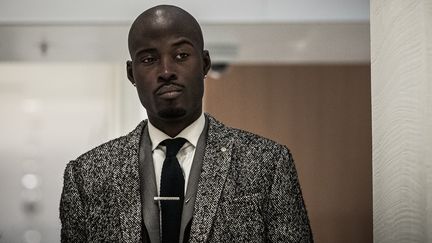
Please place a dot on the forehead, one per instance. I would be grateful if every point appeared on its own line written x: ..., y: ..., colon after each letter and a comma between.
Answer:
x: 156, y: 32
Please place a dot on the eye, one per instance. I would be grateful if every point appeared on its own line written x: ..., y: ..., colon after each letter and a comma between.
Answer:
x: 181, y: 56
x: 148, y: 59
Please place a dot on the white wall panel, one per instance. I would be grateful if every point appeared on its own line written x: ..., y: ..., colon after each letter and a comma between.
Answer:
x: 402, y: 120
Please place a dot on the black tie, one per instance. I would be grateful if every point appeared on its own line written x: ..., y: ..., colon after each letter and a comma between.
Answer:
x: 172, y: 185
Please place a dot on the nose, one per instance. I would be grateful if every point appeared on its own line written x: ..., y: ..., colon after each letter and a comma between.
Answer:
x: 167, y: 71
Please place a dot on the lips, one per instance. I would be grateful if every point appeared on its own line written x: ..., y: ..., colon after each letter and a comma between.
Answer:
x: 169, y: 91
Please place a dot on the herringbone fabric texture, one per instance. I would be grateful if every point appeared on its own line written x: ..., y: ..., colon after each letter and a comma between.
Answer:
x: 248, y: 191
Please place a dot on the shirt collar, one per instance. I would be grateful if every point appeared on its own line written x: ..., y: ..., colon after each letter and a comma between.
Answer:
x: 191, y: 133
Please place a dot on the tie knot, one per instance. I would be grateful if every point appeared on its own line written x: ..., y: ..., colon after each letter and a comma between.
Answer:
x: 173, y: 146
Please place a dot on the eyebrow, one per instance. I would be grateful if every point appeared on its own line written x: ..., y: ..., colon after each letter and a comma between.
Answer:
x: 145, y: 50
x: 183, y: 41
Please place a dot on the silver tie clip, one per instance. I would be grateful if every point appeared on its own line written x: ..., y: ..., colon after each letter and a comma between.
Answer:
x: 166, y: 198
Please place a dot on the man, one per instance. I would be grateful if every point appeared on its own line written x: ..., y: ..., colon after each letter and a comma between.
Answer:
x: 211, y: 184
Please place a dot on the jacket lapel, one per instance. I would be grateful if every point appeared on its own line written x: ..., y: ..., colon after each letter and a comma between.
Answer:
x: 127, y: 178
x: 215, y: 167
x: 150, y: 208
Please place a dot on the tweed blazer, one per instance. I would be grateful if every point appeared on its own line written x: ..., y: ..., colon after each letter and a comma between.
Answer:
x: 248, y: 191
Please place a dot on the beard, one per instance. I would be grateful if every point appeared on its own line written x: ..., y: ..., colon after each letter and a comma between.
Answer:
x: 172, y: 113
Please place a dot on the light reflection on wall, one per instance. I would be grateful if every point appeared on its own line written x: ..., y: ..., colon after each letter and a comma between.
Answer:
x: 51, y: 113
x: 32, y: 236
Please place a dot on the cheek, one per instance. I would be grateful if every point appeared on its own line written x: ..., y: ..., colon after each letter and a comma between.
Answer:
x: 141, y: 76
x: 143, y: 98
x: 198, y: 89
x: 144, y: 94
x: 144, y: 81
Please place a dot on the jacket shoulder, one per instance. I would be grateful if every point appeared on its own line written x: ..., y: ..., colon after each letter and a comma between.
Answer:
x: 111, y: 151
x: 247, y: 138
x: 248, y: 142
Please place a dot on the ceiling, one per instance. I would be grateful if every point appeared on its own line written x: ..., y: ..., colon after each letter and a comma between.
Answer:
x: 206, y: 11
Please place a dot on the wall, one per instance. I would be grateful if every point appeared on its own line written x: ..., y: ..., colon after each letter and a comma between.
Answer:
x: 322, y: 113
x: 50, y: 114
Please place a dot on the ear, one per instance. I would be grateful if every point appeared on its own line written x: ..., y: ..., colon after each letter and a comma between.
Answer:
x: 206, y: 62
x: 129, y: 72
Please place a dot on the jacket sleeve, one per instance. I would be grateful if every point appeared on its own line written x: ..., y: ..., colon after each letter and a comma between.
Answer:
x: 287, y: 216
x: 71, y: 208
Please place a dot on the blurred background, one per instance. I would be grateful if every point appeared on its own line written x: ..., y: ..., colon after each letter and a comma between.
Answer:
x: 297, y: 72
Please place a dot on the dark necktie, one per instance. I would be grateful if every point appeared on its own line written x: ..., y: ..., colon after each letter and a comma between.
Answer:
x: 172, y: 185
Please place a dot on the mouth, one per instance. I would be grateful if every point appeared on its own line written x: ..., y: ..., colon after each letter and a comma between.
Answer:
x: 169, y: 91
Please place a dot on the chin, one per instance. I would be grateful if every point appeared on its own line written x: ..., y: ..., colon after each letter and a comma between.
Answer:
x: 172, y: 113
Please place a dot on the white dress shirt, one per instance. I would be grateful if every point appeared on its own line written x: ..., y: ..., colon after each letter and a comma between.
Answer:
x: 186, y: 153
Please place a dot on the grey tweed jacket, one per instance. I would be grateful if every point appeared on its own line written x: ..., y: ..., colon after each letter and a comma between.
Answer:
x: 248, y: 191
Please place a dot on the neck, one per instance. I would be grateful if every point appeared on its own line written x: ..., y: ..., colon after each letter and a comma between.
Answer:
x: 173, y: 127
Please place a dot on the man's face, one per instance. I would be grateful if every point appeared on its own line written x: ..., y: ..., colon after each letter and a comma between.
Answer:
x: 168, y: 67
